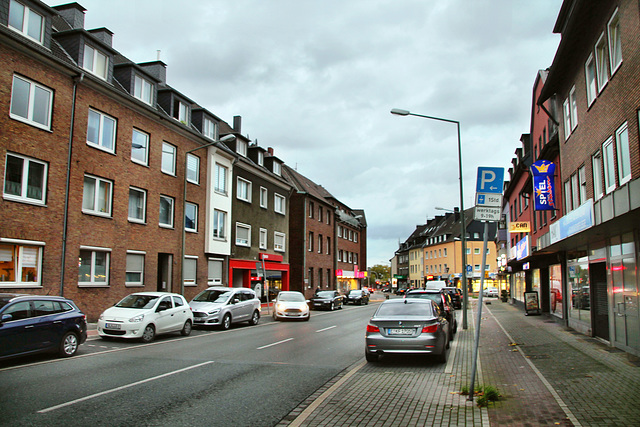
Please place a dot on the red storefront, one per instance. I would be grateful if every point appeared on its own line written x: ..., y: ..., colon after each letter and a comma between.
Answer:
x: 243, y: 272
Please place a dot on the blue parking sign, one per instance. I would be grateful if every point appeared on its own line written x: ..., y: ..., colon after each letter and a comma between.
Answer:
x: 490, y: 180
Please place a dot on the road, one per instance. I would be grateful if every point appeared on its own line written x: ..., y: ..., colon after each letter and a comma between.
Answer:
x: 246, y: 376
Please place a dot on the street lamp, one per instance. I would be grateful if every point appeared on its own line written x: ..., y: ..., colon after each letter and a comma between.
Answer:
x: 463, y: 230
x: 226, y: 138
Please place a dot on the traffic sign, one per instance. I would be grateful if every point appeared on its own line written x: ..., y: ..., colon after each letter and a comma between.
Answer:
x: 490, y: 180
x: 483, y: 213
x: 488, y: 199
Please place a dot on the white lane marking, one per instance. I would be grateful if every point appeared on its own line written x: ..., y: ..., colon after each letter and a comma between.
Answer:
x: 102, y: 393
x: 326, y: 329
x: 275, y: 343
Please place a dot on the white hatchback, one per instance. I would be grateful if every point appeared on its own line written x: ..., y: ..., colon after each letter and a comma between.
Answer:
x: 144, y: 315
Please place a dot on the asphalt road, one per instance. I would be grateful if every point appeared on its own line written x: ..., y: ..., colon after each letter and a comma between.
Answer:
x: 247, y: 376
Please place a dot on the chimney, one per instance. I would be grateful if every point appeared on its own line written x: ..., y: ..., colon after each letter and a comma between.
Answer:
x: 157, y: 69
x: 270, y: 151
x: 237, y: 124
x: 73, y: 13
x: 104, y: 35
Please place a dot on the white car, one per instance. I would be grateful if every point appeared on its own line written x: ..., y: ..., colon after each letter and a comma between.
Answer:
x: 222, y: 306
x: 490, y: 292
x: 291, y: 305
x: 144, y: 315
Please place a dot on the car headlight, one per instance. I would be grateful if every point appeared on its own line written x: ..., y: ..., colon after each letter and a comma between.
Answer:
x: 279, y: 306
x: 215, y: 311
x: 137, y: 318
x: 101, y: 317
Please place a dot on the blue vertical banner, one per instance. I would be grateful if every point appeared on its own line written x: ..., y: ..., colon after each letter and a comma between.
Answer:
x: 543, y: 172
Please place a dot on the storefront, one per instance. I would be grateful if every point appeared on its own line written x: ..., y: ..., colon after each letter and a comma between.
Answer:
x: 245, y: 273
x: 347, y: 280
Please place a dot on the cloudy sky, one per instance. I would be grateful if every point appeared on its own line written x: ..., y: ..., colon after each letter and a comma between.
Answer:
x: 315, y: 80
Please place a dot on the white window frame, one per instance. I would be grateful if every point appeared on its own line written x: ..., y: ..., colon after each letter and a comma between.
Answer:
x: 209, y: 128
x: 241, y: 148
x: 137, y: 138
x: 615, y: 42
x: 105, y: 141
x: 220, y: 185
x: 168, y: 150
x: 566, y: 110
x: 567, y: 196
x: 134, y: 266
x: 25, y: 27
x: 279, y: 203
x: 32, y: 102
x: 95, y: 202
x: 243, y: 190
x: 194, y: 207
x: 602, y: 72
x: 263, y: 238
x: 623, y: 154
x: 219, y: 224
x: 574, y: 108
x: 193, y: 168
x: 279, y: 241
x: 172, y: 203
x: 264, y: 198
x: 582, y: 181
x: 277, y: 168
x: 182, y: 112
x: 25, y: 183
x: 575, y: 191
x: 92, y: 67
x: 596, y: 166
x: 29, y: 256
x: 190, y: 270
x: 143, y: 89
x: 92, y: 273
x: 608, y: 161
x: 212, y: 262
x: 243, y: 242
x: 260, y: 158
x: 591, y: 80
x: 143, y: 217
x: 319, y: 243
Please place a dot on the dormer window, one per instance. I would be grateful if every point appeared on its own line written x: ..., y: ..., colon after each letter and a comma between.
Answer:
x: 241, y: 148
x: 209, y: 128
x: 277, y: 168
x: 143, y: 90
x: 95, y: 62
x: 181, y: 112
x: 26, y: 21
x: 260, y: 158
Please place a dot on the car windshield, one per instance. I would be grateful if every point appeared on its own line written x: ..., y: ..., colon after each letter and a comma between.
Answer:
x: 433, y: 297
x: 294, y: 297
x: 408, y: 309
x: 138, y: 301
x: 325, y: 294
x: 355, y: 292
x: 213, y: 295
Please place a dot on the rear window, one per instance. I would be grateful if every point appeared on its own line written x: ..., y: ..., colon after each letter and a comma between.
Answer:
x: 433, y: 297
x: 408, y: 309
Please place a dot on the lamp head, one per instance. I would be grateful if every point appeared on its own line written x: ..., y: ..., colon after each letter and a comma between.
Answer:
x: 227, y: 138
x: 400, y: 112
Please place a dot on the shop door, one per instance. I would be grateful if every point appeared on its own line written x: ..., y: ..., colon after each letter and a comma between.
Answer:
x: 165, y: 262
x: 599, y: 305
x: 625, y: 304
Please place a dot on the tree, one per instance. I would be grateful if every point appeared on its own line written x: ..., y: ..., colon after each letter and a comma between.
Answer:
x: 380, y: 272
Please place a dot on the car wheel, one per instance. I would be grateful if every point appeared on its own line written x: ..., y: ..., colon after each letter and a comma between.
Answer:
x: 226, y: 321
x: 275, y: 317
x: 442, y: 357
x: 149, y: 334
x: 186, y: 329
x: 333, y: 306
x: 69, y: 344
x: 307, y: 318
x: 255, y: 318
x: 455, y: 326
x: 371, y: 357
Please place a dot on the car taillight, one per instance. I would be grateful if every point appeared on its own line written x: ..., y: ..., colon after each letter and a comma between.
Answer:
x: 372, y: 328
x: 429, y: 329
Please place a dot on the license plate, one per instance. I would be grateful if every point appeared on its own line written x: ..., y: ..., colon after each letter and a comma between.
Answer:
x: 112, y: 325
x: 404, y: 331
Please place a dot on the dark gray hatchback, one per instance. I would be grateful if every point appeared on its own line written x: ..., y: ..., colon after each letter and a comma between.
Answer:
x: 34, y: 324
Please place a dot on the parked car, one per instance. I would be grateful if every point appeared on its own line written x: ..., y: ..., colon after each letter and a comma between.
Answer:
x: 35, y: 324
x: 490, y: 292
x: 143, y: 315
x: 444, y: 304
x: 291, y: 305
x: 401, y: 291
x: 411, y: 325
x: 223, y: 306
x: 326, y: 300
x: 357, y: 296
x: 456, y: 296
x: 435, y: 284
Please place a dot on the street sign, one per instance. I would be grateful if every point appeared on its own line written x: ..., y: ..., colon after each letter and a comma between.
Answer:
x: 490, y: 180
x: 519, y: 227
x: 469, y: 269
x: 482, y: 213
x: 488, y: 199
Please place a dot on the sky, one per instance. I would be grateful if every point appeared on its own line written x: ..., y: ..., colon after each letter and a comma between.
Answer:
x: 316, y: 80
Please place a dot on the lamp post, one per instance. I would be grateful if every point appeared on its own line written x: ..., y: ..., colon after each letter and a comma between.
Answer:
x: 225, y: 138
x: 463, y: 230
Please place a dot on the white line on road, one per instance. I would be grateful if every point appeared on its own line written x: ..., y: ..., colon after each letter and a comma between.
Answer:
x: 102, y: 393
x: 275, y: 343
x: 326, y: 329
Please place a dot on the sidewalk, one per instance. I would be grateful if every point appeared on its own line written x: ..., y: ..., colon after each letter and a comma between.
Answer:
x: 547, y: 375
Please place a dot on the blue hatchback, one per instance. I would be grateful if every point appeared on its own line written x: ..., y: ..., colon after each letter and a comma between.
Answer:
x: 34, y: 324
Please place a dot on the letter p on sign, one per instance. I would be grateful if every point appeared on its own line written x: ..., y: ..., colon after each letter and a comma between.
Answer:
x: 490, y: 180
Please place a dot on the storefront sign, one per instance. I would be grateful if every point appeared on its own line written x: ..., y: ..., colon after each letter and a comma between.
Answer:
x: 522, y: 248
x: 543, y: 172
x: 531, y: 303
x: 519, y: 227
x: 571, y: 223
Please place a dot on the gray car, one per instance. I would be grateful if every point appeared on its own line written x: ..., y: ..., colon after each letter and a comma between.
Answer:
x: 407, y: 326
x: 222, y: 306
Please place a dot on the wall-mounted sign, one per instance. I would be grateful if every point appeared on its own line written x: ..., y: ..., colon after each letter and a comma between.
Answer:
x: 543, y: 172
x: 519, y: 227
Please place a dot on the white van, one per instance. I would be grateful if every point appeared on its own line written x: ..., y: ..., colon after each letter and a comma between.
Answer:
x: 436, y: 284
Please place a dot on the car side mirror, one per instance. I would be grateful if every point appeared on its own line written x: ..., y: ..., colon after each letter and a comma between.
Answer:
x: 235, y: 301
x: 161, y: 307
x: 6, y: 318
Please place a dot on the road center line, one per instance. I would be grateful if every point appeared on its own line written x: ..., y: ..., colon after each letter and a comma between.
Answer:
x: 275, y: 343
x: 326, y: 329
x: 102, y: 393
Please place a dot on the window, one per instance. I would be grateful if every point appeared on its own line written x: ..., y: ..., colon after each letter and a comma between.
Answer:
x: 244, y: 190
x: 166, y: 211
x: 311, y: 209
x: 582, y: 179
x: 350, y: 257
x: 351, y: 235
x: 279, y: 241
x: 140, y: 147
x: 241, y: 148
x: 143, y: 89
x: 310, y: 248
x: 137, y: 204
x: 445, y: 252
x: 590, y: 76
x: 328, y: 245
x: 476, y: 267
x: 191, y: 217
x: 25, y: 179
x: 574, y: 108
x: 215, y: 272
x: 193, y: 168
x: 135, y: 268
x: 31, y: 103
x: 468, y: 251
x: 567, y: 196
x: 624, y: 159
x: 263, y: 238
x: 339, y: 231
x: 26, y: 21
x: 190, y: 269
x: 609, y: 166
x: 221, y: 179
x: 209, y: 128
x: 101, y: 131
x: 476, y: 251
x: 263, y: 197
x: 181, y: 112
x: 243, y: 234
x: 615, y: 42
x: 277, y: 168
x: 95, y: 62
x: 93, y: 267
x: 168, y: 159
x: 355, y: 237
x: 279, y: 204
x: 260, y: 158
x: 575, y: 191
x: 96, y: 196
x: 602, y: 73
x: 319, y: 243
x: 219, y: 221
x: 320, y: 213
x: 20, y: 263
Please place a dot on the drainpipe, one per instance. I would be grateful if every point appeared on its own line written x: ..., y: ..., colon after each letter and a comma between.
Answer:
x: 76, y: 80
